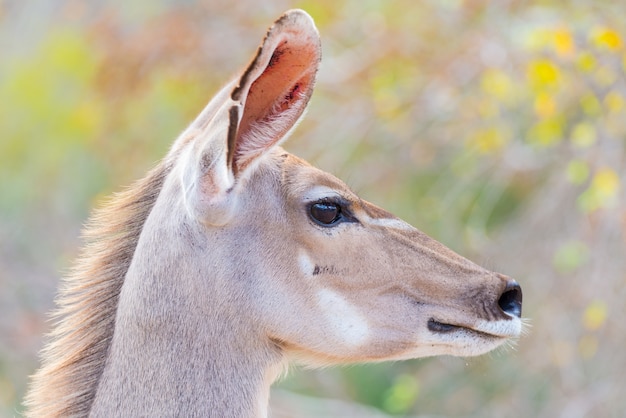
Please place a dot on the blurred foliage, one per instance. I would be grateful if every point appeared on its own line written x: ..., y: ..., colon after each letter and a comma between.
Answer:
x: 496, y: 127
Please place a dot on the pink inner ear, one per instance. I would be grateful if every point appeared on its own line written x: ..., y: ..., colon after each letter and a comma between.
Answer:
x: 276, y: 100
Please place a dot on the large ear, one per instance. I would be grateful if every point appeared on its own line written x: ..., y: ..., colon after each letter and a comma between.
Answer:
x: 275, y: 88
x: 250, y: 116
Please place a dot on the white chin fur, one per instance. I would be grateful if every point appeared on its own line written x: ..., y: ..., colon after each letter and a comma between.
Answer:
x: 463, y: 342
x: 503, y: 328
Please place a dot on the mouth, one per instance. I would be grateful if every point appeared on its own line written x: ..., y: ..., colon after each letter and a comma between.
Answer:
x: 499, y: 329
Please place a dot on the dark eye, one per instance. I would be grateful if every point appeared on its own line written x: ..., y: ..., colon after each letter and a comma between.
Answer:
x: 325, y: 213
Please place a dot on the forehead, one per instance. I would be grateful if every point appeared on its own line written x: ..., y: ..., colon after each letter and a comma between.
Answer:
x: 300, y: 178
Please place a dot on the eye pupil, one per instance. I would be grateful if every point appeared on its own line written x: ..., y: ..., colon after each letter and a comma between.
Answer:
x: 325, y: 213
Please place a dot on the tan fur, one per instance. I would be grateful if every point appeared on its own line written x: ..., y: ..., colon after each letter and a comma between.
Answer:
x: 200, y: 283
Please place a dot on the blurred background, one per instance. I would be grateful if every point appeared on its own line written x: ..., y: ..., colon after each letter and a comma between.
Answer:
x: 496, y: 127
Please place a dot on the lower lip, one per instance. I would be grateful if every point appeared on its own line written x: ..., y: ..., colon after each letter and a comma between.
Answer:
x: 442, y: 328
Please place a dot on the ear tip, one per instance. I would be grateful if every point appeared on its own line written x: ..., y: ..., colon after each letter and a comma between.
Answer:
x: 297, y: 15
x: 297, y: 18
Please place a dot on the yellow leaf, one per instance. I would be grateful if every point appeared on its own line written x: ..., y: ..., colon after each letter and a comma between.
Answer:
x: 489, y: 140
x: 546, y: 132
x: 614, y: 102
x: 590, y: 104
x: 539, y: 39
x: 586, y: 62
x: 577, y: 171
x: 498, y: 84
x: 563, y: 42
x: 606, y: 38
x: 543, y: 73
x: 595, y: 315
x: 602, y: 192
x: 86, y: 120
x: 583, y: 135
x: 68, y: 52
x: 545, y: 105
x: 606, y: 182
x: 402, y: 394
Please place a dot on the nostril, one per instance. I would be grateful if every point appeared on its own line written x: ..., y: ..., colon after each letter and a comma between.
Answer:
x: 511, y: 300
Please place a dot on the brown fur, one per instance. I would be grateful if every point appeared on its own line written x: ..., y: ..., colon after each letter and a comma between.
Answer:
x: 73, y: 360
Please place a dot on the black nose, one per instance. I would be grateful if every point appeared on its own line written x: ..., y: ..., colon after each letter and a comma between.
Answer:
x: 511, y: 300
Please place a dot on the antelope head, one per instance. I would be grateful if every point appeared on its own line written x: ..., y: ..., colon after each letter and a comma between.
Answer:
x: 326, y: 275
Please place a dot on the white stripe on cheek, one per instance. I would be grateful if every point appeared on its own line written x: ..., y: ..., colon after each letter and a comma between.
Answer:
x: 305, y: 263
x: 343, y: 319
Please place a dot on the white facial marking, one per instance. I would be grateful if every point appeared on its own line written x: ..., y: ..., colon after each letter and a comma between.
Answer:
x: 389, y: 223
x: 305, y: 263
x: 344, y: 319
x: 320, y: 193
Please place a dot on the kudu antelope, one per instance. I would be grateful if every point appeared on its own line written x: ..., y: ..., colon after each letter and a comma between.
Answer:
x: 232, y: 257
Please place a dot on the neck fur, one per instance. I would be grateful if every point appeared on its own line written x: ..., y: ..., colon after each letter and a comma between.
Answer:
x: 198, y: 369
x: 183, y: 344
